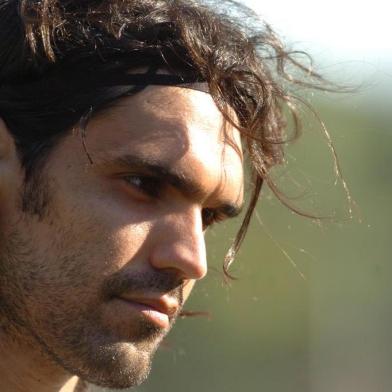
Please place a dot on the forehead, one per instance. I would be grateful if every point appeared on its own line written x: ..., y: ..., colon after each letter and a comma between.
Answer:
x: 178, y: 126
x: 172, y: 113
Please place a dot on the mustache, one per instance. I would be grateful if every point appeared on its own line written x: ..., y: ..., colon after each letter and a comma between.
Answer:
x: 162, y: 282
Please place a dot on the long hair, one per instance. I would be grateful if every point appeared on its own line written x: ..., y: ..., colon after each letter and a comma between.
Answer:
x: 54, y: 55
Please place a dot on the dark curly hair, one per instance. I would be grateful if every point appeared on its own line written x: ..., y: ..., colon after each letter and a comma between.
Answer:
x: 54, y: 55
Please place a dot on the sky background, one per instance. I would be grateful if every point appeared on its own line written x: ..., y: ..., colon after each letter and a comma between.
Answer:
x: 358, y: 33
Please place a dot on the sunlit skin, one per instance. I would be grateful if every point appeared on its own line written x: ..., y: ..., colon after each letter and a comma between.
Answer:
x: 130, y: 224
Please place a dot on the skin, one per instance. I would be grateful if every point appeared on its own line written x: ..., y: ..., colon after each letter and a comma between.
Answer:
x: 91, y: 232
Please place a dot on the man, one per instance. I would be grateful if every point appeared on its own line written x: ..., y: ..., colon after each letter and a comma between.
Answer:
x: 123, y: 134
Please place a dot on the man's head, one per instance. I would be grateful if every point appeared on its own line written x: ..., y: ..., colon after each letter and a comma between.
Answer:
x: 111, y: 169
x: 119, y: 238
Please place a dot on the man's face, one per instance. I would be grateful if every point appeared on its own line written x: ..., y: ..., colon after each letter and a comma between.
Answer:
x: 97, y: 264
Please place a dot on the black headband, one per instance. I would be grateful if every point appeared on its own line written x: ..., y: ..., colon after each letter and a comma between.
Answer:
x: 141, y: 81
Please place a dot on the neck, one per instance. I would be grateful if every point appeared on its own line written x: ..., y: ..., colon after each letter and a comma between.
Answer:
x: 25, y: 369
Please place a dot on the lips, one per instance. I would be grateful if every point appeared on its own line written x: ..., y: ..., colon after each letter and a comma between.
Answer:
x: 157, y: 309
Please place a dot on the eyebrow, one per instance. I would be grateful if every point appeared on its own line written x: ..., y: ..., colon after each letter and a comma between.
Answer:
x: 177, y: 180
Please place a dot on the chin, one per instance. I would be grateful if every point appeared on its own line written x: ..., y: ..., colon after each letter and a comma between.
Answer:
x: 104, y: 358
x: 102, y: 348
x: 118, y: 366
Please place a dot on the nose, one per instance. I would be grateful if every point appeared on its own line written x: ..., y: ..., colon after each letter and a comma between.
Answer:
x: 180, y: 244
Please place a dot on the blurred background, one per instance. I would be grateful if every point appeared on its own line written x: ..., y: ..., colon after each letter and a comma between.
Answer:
x: 311, y: 311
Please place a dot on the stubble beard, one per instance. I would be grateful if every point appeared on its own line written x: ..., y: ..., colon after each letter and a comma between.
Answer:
x: 74, y: 338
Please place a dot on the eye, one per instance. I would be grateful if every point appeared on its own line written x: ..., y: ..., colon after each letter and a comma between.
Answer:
x: 210, y: 216
x: 148, y: 185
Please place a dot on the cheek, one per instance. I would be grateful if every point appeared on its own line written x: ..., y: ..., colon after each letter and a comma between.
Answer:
x: 108, y: 248
x: 127, y: 245
x: 106, y: 232
x: 74, y: 265
x: 75, y: 254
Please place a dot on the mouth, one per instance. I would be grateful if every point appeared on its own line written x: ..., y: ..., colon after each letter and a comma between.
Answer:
x: 159, y: 310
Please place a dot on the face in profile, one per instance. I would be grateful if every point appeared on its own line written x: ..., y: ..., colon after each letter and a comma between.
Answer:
x: 98, y: 258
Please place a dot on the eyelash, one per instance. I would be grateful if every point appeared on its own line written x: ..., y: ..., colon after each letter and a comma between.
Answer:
x: 152, y: 187
x: 210, y: 217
